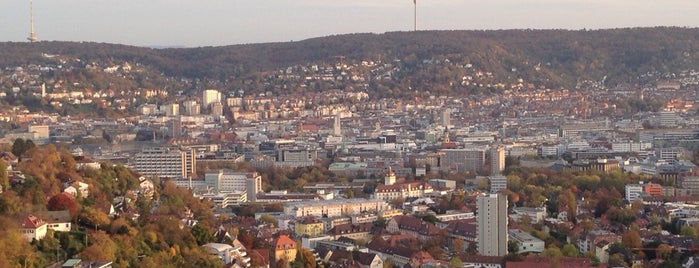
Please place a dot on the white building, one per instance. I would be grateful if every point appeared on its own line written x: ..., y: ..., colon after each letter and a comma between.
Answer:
x: 334, y: 208
x: 33, y: 228
x: 210, y: 96
x: 225, y: 180
x: 492, y: 224
x: 228, y: 254
x: 497, y: 183
x: 526, y: 242
x: 166, y: 162
x: 633, y: 192
x: 497, y: 160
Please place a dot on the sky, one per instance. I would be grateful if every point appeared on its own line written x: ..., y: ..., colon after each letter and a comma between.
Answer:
x: 193, y: 23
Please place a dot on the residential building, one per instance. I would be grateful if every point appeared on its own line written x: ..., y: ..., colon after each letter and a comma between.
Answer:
x: 210, y: 96
x: 587, y: 242
x: 497, y: 160
x: 308, y: 226
x: 492, y: 224
x: 58, y: 221
x: 227, y: 253
x: 335, y: 207
x: 408, y: 224
x: 497, y: 183
x: 33, y: 228
x: 633, y: 192
x: 284, y: 249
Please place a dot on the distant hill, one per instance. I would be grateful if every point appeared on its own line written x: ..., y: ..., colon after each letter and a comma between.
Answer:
x: 549, y: 57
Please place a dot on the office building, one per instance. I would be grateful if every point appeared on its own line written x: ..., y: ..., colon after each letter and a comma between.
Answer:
x: 166, y: 162
x: 227, y: 181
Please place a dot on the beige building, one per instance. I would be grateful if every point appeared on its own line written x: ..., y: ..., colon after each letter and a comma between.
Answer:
x: 334, y: 208
x: 492, y: 224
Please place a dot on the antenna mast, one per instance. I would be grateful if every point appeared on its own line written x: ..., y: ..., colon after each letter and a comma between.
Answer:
x: 32, y: 35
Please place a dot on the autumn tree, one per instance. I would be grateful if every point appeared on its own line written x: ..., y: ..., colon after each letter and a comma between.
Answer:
x: 63, y: 201
x: 101, y: 248
x: 663, y: 251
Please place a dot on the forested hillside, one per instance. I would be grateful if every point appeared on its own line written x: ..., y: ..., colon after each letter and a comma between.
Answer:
x: 553, y: 58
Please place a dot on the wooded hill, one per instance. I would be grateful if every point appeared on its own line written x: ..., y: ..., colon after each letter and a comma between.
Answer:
x: 563, y: 56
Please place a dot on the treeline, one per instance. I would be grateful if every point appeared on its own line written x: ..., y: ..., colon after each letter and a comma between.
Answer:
x: 552, y: 58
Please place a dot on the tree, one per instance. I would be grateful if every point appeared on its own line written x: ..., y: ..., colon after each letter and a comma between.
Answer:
x: 663, y: 251
x: 101, y: 248
x: 18, y: 147
x: 688, y: 231
x: 4, y: 178
x: 202, y: 234
x: 552, y: 251
x: 631, y: 239
x: 63, y: 201
x: 569, y: 250
x: 512, y: 246
x: 267, y: 218
x: 459, y: 245
x: 456, y: 262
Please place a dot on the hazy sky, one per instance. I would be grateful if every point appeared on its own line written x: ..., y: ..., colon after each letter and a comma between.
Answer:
x: 225, y: 22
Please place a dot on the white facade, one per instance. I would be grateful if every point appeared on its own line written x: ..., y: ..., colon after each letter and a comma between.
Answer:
x: 497, y: 183
x: 497, y: 161
x: 165, y: 162
x: 210, y: 96
x: 492, y: 224
x: 633, y: 192
x: 526, y: 242
x: 334, y: 208
x: 223, y: 181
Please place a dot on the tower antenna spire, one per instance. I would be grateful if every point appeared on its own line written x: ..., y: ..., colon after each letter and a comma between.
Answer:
x: 32, y: 35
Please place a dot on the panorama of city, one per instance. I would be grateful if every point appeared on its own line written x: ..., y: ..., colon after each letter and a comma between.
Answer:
x: 428, y: 156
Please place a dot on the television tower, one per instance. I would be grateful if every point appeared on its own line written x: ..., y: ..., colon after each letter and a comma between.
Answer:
x: 415, y: 15
x: 32, y: 35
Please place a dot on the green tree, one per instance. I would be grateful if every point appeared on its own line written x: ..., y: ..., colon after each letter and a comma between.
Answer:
x: 18, y: 147
x: 202, y: 234
x: 570, y: 250
x: 688, y: 231
x: 512, y: 246
x: 267, y: 218
x: 455, y: 262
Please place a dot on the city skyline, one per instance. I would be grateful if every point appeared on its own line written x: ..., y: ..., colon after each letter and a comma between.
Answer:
x: 215, y: 23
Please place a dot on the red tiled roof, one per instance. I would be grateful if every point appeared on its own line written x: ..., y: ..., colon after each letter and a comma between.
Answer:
x: 32, y: 221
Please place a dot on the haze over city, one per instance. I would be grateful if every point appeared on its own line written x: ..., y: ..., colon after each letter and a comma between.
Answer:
x: 213, y: 23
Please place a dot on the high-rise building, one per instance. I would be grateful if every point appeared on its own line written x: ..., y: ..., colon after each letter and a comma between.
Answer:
x: 446, y: 117
x: 210, y: 96
x: 166, y: 162
x: 337, y: 126
x: 191, y: 107
x: 492, y: 224
x: 497, y: 160
x: 497, y: 183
